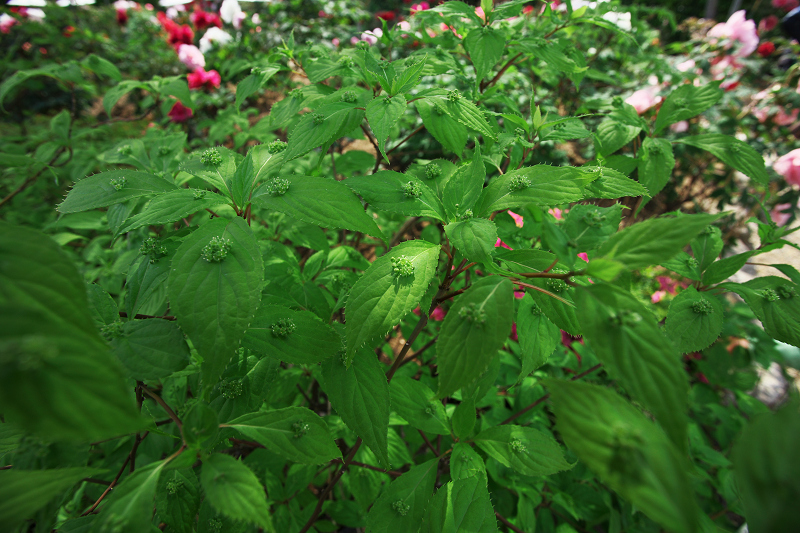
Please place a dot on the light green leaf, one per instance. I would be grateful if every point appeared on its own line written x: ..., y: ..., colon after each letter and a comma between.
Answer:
x: 390, y: 288
x: 408, y: 78
x: 545, y: 185
x: 477, y: 325
x: 466, y: 462
x: 402, y: 504
x: 464, y: 187
x: 382, y: 115
x: 102, y: 67
x: 558, y: 305
x: 686, y: 102
x: 610, y: 184
x: 295, y: 433
x: 588, y: 226
x: 694, y: 320
x: 324, y: 202
x: 293, y: 336
x: 538, y: 336
x: 525, y: 450
x: 564, y: 129
x: 612, y: 135
x: 214, y: 296
x: 722, y: 269
x: 475, y: 238
x: 23, y: 492
x: 217, y: 175
x: 151, y: 349
x: 633, y: 349
x: 254, y: 82
x: 485, y: 46
x: 707, y: 246
x: 382, y: 70
x: 462, y: 505
x: 234, y: 490
x: 627, y: 451
x: 416, y: 402
x: 464, y: 111
x: 360, y: 395
x: 656, y: 162
x: 172, y: 206
x: 733, y: 152
x: 130, y: 509
x: 385, y: 190
x: 112, y: 187
x: 320, y: 127
x: 450, y: 133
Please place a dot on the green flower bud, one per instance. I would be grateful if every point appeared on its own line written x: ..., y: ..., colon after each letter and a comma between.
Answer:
x: 517, y: 446
x: 412, y: 189
x: 283, y: 327
x: 401, y: 508
x: 702, y: 307
x: 519, y: 183
x: 231, y: 388
x: 278, y: 187
x: 199, y: 194
x: 473, y: 314
x: 432, y: 170
x: 125, y: 149
x: 318, y: 118
x: 402, y: 267
x: 118, y: 183
x: 211, y: 158
x: 349, y: 96
x: 454, y: 95
x: 216, y: 250
x: 300, y: 428
x: 276, y: 147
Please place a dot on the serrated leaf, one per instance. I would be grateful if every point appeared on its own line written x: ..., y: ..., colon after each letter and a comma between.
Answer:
x: 234, y: 490
x: 634, y: 247
x: 549, y: 185
x: 324, y: 202
x: 101, y: 66
x: 694, y: 320
x: 565, y: 129
x: 557, y: 304
x: 464, y: 418
x: 382, y: 70
x: 450, y: 133
x: 130, y: 509
x: 686, y: 102
x: 380, y: 298
x: 485, y: 46
x: 178, y: 499
x: 402, y: 504
x: 23, y: 492
x: 172, y: 206
x: 627, y: 340
x: 538, y: 336
x: 588, y: 226
x: 382, y: 115
x: 474, y: 238
x: 656, y: 162
x: 360, y: 395
x: 776, y: 303
x: 417, y: 403
x: 464, y: 187
x: 466, y: 462
x: 465, y: 112
x: 612, y: 135
x: 101, y: 190
x: 611, y: 184
x: 214, y: 301
x: 295, y: 433
x: 309, y: 342
x: 707, y: 246
x: 151, y: 349
x: 627, y: 451
x: 733, y: 152
x: 384, y: 190
x: 722, y: 269
x: 409, y: 78
x: 307, y: 134
x: 526, y: 450
x: 462, y: 505
x: 255, y: 81
x: 219, y: 176
x: 476, y: 327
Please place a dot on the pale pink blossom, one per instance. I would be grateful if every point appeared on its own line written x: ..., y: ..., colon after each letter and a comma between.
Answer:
x: 657, y: 296
x: 214, y: 36
x: 191, y: 56
x: 255, y: 19
x: 372, y: 36
x: 788, y: 166
x: 680, y: 127
x: 767, y: 24
x: 761, y: 113
x: 6, y: 21
x: 781, y: 214
x: 517, y: 219
x: 737, y: 29
x: 335, y: 41
x: 404, y: 25
x: 422, y: 6
x: 229, y: 11
x: 687, y: 65
x: 781, y: 118
x: 644, y: 99
x: 557, y: 213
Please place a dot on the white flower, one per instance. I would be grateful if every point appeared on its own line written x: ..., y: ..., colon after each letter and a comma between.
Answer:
x: 621, y: 20
x: 214, y: 36
x: 229, y: 11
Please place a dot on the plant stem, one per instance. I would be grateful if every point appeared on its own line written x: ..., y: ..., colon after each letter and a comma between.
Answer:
x: 508, y: 524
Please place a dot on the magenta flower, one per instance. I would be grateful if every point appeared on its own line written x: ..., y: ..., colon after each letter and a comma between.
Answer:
x: 200, y: 78
x: 179, y: 113
x: 501, y: 244
x: 517, y: 219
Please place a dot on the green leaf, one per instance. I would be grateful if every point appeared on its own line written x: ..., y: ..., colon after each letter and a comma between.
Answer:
x: 146, y: 284
x: 538, y: 336
x: 627, y: 340
x: 360, y: 395
x: 461, y: 505
x: 215, y: 300
x: 475, y: 238
x: 130, y: 509
x: 178, y: 499
x: 307, y: 134
x: 295, y: 433
x: 466, y: 462
x: 293, y: 336
x: 545, y: 185
x: 477, y: 325
x: 707, y: 246
x: 254, y: 82
x: 382, y: 70
x: 558, y: 304
x: 23, y: 492
x: 116, y: 92
x: 465, y: 186
x: 694, y: 320
x: 588, y: 226
x: 682, y: 263
x: 656, y: 162
x: 766, y: 467
x: 409, y: 78
x: 102, y: 67
x: 635, y: 247
x: 112, y: 187
x: 485, y: 46
x: 612, y: 135
x: 464, y: 418
x: 564, y: 129
x: 527, y: 451
x: 382, y: 297
x: 722, y: 269
x: 733, y: 152
x: 234, y: 490
x: 176, y: 87
x: 401, y: 506
x: 172, y: 206
x: 610, y: 184
x: 151, y: 349
x: 382, y: 115
x: 417, y: 404
x: 465, y: 112
x: 265, y: 163
x: 450, y: 133
x: 627, y: 451
x: 686, y: 102
x: 219, y: 176
x: 776, y: 303
x: 324, y: 202
x: 384, y: 190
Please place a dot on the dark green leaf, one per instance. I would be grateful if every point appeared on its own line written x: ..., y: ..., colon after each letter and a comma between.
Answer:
x: 526, y: 450
x: 538, y: 336
x: 464, y: 188
x: 695, y: 320
x: 217, y: 175
x: 402, y: 504
x: 485, y: 46
x: 385, y: 190
x: 172, y: 206
x: 462, y: 505
x: 408, y: 78
x: 776, y: 303
x: 475, y: 238
x: 610, y: 184
x: 293, y: 336
x: 466, y: 462
x: 318, y: 128
x: 656, y: 162
x: 112, y: 187
x: 545, y: 185
x: 130, y: 509
x: 233, y: 490
x: 382, y: 115
x: 151, y: 349
x: 686, y: 102
x: 450, y: 133
x: 722, y: 269
x: 417, y: 403
x: 102, y: 67
x: 733, y: 152
x: 588, y: 226
x: 255, y: 81
x: 612, y: 135
x: 178, y: 499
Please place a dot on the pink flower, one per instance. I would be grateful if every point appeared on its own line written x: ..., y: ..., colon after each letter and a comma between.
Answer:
x: 404, y: 25
x: 657, y: 296
x: 191, y: 56
x: 6, y: 21
x: 335, y: 41
x: 200, y: 78
x: 372, y: 36
x: 527, y: 10
x: 788, y: 166
x: 783, y: 119
x: 519, y: 295
x: 438, y: 314
x: 517, y: 219
x: 480, y: 13
x: 765, y: 49
x: 680, y: 127
x: 767, y: 24
x: 179, y: 113
x: 761, y: 113
x: 667, y: 284
x: 422, y: 6
x: 513, y: 335
x: 644, y: 99
x: 737, y: 29
x: 557, y: 213
x: 584, y: 256
x: 786, y: 5
x: 501, y: 244
x: 687, y: 65
x: 781, y: 214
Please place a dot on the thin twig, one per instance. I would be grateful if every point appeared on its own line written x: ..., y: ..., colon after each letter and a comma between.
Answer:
x: 407, y: 137
x: 164, y: 406
x: 428, y: 442
x: 25, y: 184
x: 123, y: 314
x: 508, y: 524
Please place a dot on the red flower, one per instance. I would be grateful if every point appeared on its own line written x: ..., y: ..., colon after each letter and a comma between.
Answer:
x: 179, y: 113
x: 122, y: 17
x: 200, y: 78
x: 203, y: 19
x: 765, y: 49
x: 514, y: 336
x: 179, y: 35
x: 388, y: 16
x: 68, y: 31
